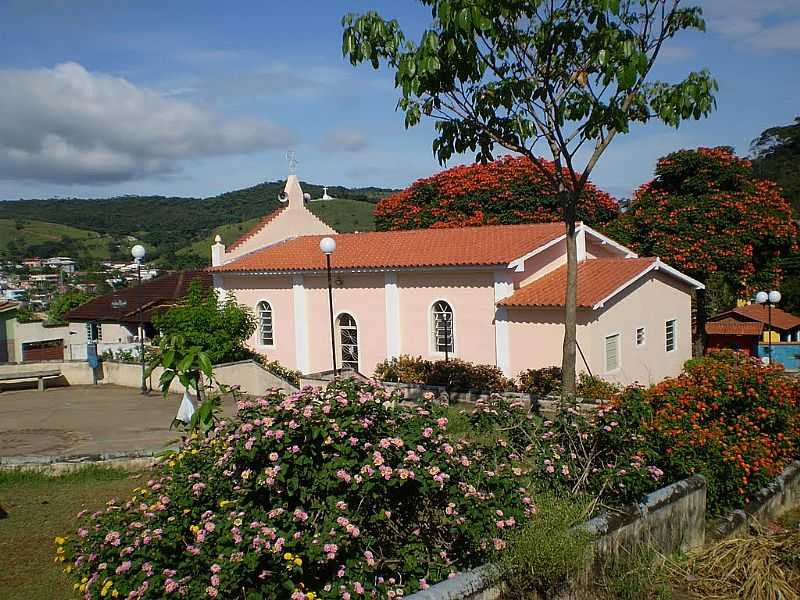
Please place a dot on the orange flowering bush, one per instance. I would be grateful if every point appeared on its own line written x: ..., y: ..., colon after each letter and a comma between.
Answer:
x: 508, y: 190
x: 706, y: 212
x: 727, y: 417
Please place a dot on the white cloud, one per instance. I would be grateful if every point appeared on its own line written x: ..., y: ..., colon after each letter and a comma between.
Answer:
x: 67, y: 125
x: 345, y: 140
x: 761, y: 25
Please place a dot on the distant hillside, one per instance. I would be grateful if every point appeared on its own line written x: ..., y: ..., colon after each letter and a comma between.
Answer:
x: 166, y: 225
x: 345, y: 216
x: 23, y: 237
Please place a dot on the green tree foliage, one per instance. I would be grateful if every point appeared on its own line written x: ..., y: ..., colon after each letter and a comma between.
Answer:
x: 707, y: 214
x: 568, y: 75
x: 64, y: 303
x: 219, y: 330
x: 776, y: 156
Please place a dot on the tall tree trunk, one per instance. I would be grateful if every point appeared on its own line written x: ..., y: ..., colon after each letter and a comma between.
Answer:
x: 570, y: 304
x: 701, y: 308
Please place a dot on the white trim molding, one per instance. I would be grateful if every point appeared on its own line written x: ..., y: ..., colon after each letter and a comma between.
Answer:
x: 392, y: 303
x: 580, y: 239
x: 300, y: 324
x: 503, y: 288
x: 607, y: 241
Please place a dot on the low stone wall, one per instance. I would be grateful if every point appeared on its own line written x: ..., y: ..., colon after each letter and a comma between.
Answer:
x: 770, y: 502
x: 56, y: 465
x: 250, y: 376
x: 670, y: 519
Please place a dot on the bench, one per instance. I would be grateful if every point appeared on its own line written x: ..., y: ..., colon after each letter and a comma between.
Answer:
x: 38, y: 375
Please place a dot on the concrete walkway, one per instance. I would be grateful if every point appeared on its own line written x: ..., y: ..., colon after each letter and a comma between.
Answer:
x: 85, y: 420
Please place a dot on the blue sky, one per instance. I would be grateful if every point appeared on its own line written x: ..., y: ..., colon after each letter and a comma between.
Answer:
x: 102, y: 98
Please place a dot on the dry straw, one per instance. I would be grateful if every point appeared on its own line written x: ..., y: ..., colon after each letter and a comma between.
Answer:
x: 765, y: 566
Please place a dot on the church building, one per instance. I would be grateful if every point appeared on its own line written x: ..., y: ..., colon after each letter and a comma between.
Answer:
x: 490, y: 295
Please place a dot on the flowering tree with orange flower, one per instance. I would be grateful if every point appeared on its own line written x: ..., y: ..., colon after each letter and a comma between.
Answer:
x: 506, y: 191
x: 706, y: 212
x: 565, y: 76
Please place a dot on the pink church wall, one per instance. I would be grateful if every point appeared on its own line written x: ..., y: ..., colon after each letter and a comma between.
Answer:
x: 536, y: 337
x: 470, y: 294
x: 649, y: 304
x: 277, y: 291
x: 362, y: 296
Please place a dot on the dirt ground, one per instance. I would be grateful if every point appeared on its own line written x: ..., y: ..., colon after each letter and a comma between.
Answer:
x: 85, y: 420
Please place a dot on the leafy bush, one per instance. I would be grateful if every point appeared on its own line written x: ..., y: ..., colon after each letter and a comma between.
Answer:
x: 454, y: 374
x: 540, y: 382
x: 334, y: 493
x: 727, y: 417
x: 218, y: 329
x: 592, y: 387
x: 64, y: 303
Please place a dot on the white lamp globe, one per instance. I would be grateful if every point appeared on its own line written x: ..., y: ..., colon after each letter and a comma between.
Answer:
x: 138, y: 252
x: 762, y: 297
x: 774, y: 296
x: 327, y: 245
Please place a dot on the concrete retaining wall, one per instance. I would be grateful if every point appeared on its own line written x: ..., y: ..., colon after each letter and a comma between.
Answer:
x: 251, y: 377
x: 56, y: 465
x: 770, y: 502
x: 670, y: 519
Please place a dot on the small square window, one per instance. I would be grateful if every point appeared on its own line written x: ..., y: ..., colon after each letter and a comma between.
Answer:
x: 670, y: 335
x: 640, y: 336
x: 612, y: 352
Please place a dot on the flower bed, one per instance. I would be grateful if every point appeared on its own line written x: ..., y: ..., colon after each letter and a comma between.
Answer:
x: 329, y: 493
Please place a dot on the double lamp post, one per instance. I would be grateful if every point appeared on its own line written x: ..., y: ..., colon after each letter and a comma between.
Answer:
x: 138, y: 252
x: 769, y: 298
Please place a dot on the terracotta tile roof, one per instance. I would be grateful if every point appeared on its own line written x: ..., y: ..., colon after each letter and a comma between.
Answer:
x: 155, y: 294
x: 734, y: 327
x: 758, y: 312
x: 487, y: 245
x: 258, y: 227
x: 7, y: 305
x: 597, y: 279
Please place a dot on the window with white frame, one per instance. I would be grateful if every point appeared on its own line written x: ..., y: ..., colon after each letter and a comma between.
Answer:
x: 442, y: 327
x: 640, y: 336
x: 266, y: 334
x: 612, y: 352
x: 670, y: 335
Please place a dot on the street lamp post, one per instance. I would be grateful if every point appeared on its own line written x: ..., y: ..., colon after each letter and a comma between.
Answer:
x: 769, y: 299
x: 327, y: 245
x: 138, y: 252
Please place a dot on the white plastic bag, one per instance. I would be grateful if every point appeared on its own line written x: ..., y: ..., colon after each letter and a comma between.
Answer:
x: 186, y: 409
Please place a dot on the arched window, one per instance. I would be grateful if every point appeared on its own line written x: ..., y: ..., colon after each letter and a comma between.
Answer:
x: 348, y: 341
x: 265, y: 324
x: 442, y: 327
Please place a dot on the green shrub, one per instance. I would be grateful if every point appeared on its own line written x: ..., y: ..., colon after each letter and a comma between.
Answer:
x: 454, y: 374
x: 592, y: 387
x: 540, y: 382
x: 549, y: 548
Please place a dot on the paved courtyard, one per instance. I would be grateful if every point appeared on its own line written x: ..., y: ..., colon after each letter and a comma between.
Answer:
x: 85, y: 420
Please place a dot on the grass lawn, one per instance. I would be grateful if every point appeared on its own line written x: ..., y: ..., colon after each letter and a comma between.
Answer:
x: 39, y: 508
x: 26, y: 232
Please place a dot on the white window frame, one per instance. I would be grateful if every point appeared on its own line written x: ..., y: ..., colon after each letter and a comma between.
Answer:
x: 432, y: 345
x: 338, y: 346
x: 618, y: 336
x: 643, y: 329
x: 674, y: 322
x: 259, y: 311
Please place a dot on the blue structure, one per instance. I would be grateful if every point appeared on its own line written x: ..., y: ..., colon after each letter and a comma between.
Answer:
x: 786, y: 353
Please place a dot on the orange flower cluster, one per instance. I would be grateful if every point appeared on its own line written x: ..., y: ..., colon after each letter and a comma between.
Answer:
x: 730, y: 418
x: 508, y: 190
x: 706, y: 212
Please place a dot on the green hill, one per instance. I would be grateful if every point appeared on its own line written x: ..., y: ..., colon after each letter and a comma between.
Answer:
x: 23, y: 237
x: 344, y: 215
x: 168, y: 225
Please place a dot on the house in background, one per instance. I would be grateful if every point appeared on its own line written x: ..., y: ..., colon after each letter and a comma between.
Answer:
x: 747, y: 329
x: 490, y: 295
x: 112, y: 320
